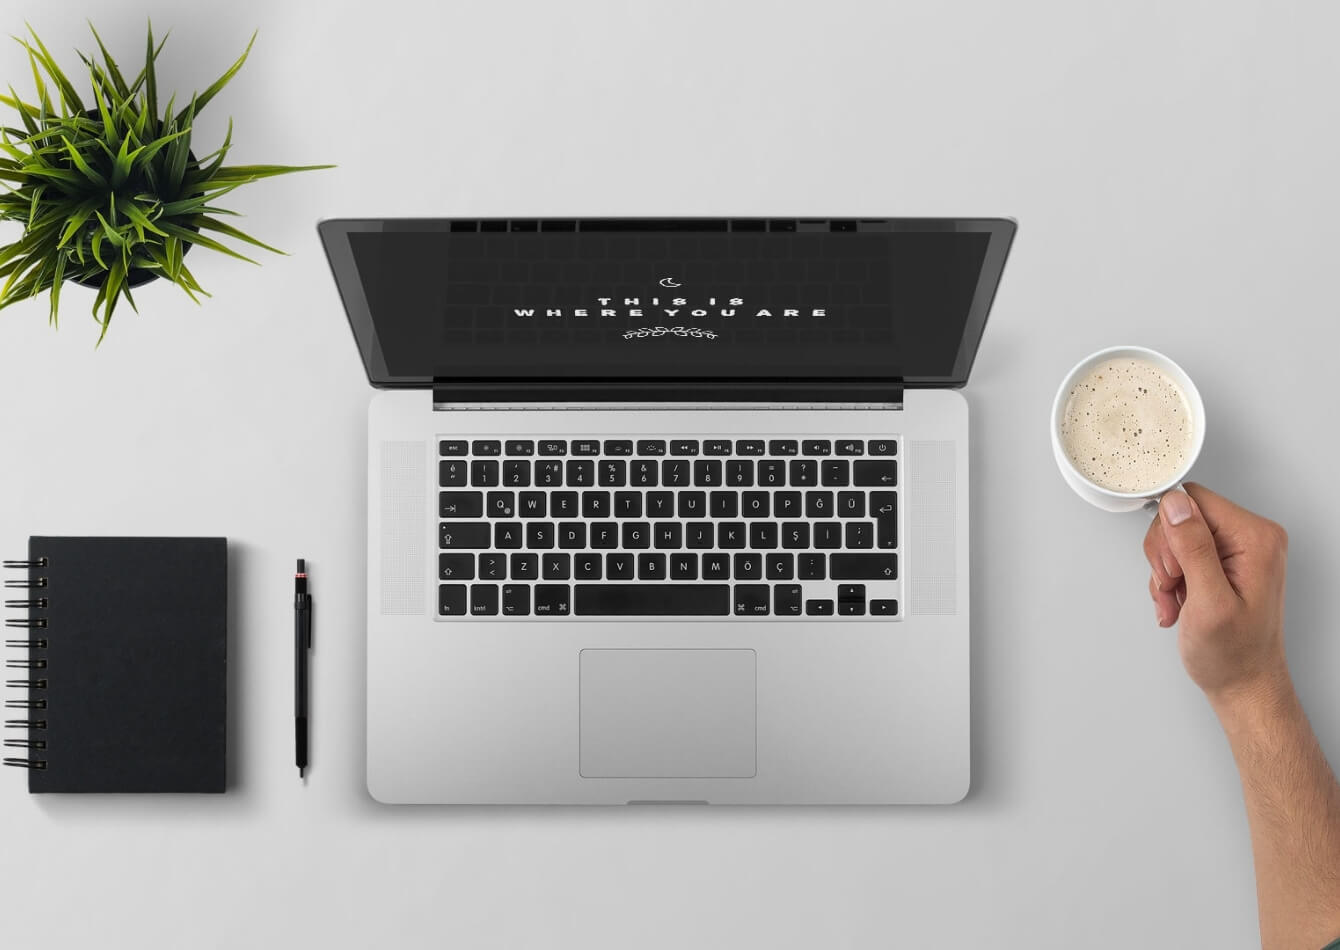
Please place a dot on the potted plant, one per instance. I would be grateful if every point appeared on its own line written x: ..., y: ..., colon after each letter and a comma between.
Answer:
x: 109, y: 191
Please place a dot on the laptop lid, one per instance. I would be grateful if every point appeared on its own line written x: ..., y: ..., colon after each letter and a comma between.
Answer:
x: 708, y: 308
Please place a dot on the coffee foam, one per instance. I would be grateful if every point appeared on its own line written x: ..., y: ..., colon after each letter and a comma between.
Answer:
x: 1127, y: 426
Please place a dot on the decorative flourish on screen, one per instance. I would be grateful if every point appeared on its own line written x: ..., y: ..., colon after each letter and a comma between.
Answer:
x: 696, y: 332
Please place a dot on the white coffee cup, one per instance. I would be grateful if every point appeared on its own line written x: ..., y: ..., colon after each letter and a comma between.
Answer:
x: 1106, y: 498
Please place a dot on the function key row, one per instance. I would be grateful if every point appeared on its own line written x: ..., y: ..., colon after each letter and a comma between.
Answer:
x: 668, y: 473
x: 458, y: 448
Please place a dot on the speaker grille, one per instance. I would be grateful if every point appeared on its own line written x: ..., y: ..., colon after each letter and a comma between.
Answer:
x: 403, y: 524
x: 931, y: 554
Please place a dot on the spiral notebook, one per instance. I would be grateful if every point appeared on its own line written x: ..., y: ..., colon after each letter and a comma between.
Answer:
x: 124, y: 663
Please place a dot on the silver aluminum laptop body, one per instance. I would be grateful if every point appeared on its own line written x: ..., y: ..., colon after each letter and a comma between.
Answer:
x: 742, y: 708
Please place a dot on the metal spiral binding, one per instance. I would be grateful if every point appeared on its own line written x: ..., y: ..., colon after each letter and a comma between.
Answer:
x: 31, y: 605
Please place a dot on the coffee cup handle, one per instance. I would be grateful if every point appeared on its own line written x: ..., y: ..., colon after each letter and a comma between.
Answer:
x: 1153, y: 503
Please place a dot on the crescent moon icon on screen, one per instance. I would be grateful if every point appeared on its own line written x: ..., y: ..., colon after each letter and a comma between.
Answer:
x: 669, y: 282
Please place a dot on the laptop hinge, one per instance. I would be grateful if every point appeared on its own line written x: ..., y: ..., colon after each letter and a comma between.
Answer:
x: 769, y: 393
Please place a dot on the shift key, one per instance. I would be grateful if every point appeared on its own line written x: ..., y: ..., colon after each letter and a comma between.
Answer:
x: 863, y: 567
x: 470, y: 534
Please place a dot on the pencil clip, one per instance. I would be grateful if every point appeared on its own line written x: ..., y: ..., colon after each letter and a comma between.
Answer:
x: 25, y: 743
x: 38, y: 603
x: 40, y: 644
x: 26, y: 622
x: 26, y: 684
x: 26, y: 565
x: 29, y: 664
x: 25, y: 723
x: 37, y: 764
x: 25, y: 704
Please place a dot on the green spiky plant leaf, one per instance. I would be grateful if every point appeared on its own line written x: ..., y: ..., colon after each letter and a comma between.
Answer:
x: 108, y: 189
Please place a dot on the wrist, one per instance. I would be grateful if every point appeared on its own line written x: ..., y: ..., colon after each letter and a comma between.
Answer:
x: 1262, y: 695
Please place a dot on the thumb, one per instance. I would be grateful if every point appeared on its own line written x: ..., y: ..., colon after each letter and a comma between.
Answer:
x: 1192, y: 543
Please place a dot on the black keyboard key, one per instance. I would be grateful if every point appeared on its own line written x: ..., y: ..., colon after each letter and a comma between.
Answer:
x: 675, y: 472
x: 520, y: 447
x: 595, y: 504
x: 613, y: 473
x: 864, y: 567
x: 525, y: 567
x: 699, y: 535
x: 786, y: 600
x: 636, y: 535
x: 819, y: 608
x: 716, y: 566
x: 763, y: 535
x: 563, y: 504
x: 851, y: 504
x: 451, y: 600
x: 756, y: 504
x: 771, y: 473
x: 804, y: 473
x: 605, y: 535
x: 572, y: 535
x: 553, y: 447
x: 818, y: 504
x: 483, y: 600
x: 884, y: 509
x: 783, y: 447
x: 586, y: 567
x: 585, y: 446
x: 706, y: 473
x: 827, y: 534
x: 655, y: 600
x: 540, y: 535
x: 620, y: 567
x: 668, y: 535
x: 507, y: 535
x: 486, y: 447
x: 451, y: 473
x: 692, y: 504
x: 740, y: 473
x: 751, y: 600
x: 460, y: 504
x: 684, y: 447
x: 749, y: 447
x: 660, y: 504
x: 455, y: 447
x: 849, y: 447
x: 882, y: 473
x: 515, y: 600
x: 552, y: 600
x: 725, y: 504
x: 651, y: 567
x: 581, y: 473
x: 851, y: 592
x: 531, y: 504
x: 618, y: 446
x: 456, y: 567
x: 501, y: 504
x: 628, y: 504
x: 786, y: 504
x: 464, y: 535
x: 781, y: 567
x: 684, y: 567
x: 817, y: 447
x: 549, y: 474
x: 716, y: 447
x: 860, y: 534
x: 516, y: 473
x: 643, y: 473
x: 492, y: 566
x: 883, y: 447
x: 810, y: 567
x: 883, y: 608
x: 796, y: 535
x: 851, y: 608
x: 731, y: 535
x: 556, y: 567
x: 651, y: 447
x: 748, y: 567
x: 835, y: 472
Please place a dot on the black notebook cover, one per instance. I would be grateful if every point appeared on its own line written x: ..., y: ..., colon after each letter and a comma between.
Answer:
x: 136, y: 664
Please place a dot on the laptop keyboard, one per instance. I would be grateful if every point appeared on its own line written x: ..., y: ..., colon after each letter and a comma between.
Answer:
x: 722, y: 527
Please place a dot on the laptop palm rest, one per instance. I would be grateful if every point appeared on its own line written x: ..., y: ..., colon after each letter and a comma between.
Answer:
x: 668, y: 714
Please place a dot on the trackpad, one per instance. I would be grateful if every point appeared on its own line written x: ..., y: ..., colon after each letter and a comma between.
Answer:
x: 667, y: 714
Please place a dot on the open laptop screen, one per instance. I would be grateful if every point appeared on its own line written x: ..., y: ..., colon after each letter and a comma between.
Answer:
x: 706, y: 299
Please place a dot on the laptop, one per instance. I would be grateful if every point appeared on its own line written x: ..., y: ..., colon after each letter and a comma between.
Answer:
x: 667, y: 510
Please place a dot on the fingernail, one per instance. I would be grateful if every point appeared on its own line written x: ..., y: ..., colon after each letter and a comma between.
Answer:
x: 1176, y: 507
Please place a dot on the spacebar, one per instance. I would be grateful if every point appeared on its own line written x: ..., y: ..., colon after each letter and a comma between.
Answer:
x: 671, y: 600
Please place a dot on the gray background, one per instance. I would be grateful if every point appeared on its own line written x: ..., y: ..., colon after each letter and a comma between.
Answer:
x: 1172, y: 168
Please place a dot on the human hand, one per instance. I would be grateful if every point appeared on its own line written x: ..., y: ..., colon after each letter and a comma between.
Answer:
x: 1218, y: 571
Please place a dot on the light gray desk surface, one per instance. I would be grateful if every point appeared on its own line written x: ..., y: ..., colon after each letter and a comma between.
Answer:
x: 1173, y: 170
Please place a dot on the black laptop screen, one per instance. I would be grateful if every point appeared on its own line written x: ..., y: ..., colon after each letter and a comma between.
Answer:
x: 640, y: 304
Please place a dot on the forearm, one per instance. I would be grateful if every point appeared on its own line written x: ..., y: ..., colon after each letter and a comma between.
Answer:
x: 1293, y: 809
